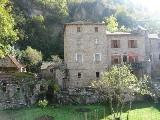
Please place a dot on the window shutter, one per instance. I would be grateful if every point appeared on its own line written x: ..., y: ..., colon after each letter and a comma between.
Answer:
x: 76, y: 57
x: 118, y: 43
x: 129, y: 43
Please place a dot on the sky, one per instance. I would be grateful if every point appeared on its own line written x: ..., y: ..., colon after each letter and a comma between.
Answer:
x: 152, y: 5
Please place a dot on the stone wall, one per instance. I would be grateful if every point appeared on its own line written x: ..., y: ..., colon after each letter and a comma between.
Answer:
x: 15, y: 92
x: 79, y: 96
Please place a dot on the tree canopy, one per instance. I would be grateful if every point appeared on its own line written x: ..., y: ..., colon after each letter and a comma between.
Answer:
x: 119, y: 85
x: 111, y: 24
x: 32, y: 59
x: 8, y: 35
x: 39, y: 23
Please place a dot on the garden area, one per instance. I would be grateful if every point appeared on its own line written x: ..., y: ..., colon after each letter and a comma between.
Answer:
x: 139, y: 111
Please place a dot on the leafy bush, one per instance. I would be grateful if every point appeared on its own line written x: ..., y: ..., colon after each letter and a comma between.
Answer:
x: 42, y: 103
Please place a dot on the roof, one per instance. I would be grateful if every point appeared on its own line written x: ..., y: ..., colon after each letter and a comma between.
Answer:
x: 83, y: 23
x: 153, y: 36
x: 118, y: 33
x: 141, y: 28
x: 45, y: 65
x: 14, y: 60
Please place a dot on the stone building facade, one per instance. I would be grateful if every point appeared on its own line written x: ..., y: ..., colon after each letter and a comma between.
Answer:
x: 50, y: 71
x: 84, y: 44
x: 89, y: 50
x: 154, y: 40
x: 125, y: 47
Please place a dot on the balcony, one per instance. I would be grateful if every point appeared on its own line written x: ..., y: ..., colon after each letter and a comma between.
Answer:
x: 137, y: 65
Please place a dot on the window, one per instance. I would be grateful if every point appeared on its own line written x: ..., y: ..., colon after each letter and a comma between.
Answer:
x: 97, y: 57
x: 51, y: 70
x: 97, y: 75
x: 132, y: 44
x: 133, y: 59
x: 18, y: 88
x: 124, y: 58
x: 116, y: 59
x: 79, y: 58
x: 78, y: 29
x: 79, y: 75
x: 96, y: 29
x: 4, y: 87
x: 158, y: 45
x: 115, y: 44
x: 96, y: 41
x: 151, y: 57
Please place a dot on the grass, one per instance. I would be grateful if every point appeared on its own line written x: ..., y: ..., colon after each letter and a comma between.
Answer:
x: 140, y: 111
x: 59, y: 113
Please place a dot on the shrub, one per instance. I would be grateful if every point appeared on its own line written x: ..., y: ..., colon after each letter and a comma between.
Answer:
x: 42, y: 103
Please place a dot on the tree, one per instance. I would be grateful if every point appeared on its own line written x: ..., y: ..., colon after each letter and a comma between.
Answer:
x: 124, y: 29
x: 33, y: 59
x: 125, y: 20
x: 111, y: 24
x: 59, y: 7
x: 119, y: 85
x: 8, y: 35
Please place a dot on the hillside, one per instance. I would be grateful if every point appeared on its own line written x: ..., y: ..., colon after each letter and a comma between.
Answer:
x: 41, y: 21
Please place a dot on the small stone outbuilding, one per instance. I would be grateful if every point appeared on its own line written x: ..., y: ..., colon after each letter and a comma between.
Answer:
x: 10, y: 64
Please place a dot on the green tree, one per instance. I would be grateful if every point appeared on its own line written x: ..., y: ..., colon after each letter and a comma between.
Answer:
x: 32, y: 59
x: 43, y: 35
x: 8, y: 35
x: 125, y: 18
x: 59, y: 7
x: 119, y: 85
x: 111, y: 24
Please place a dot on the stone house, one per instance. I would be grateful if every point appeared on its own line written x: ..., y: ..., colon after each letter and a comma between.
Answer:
x: 10, y: 64
x: 89, y: 50
x: 125, y: 47
x: 47, y: 70
x: 84, y: 44
x: 50, y: 71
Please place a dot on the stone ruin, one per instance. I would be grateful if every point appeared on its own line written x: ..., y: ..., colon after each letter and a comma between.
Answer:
x: 16, y: 94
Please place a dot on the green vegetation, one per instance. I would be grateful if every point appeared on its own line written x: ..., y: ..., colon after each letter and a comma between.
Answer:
x: 23, y: 75
x: 140, y: 111
x: 40, y: 22
x: 8, y: 35
x: 42, y: 103
x: 118, y: 85
x: 32, y: 59
x: 43, y: 30
x: 111, y: 24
